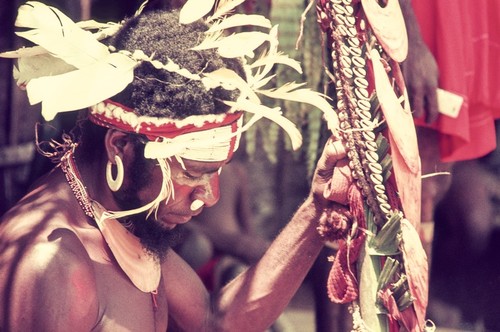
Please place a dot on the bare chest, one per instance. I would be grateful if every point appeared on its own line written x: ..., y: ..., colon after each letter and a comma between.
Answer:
x: 122, y: 307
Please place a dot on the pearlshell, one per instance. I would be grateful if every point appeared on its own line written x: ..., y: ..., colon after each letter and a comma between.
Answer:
x: 389, y: 26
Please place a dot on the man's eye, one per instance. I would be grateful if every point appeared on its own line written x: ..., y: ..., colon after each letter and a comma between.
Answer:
x: 191, y: 176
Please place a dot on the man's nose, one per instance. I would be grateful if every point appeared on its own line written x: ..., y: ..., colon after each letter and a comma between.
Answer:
x: 209, y: 191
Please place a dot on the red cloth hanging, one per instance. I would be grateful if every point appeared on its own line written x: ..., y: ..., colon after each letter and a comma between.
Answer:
x: 464, y: 37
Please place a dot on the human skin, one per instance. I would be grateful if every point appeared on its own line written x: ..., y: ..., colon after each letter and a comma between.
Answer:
x: 58, y: 274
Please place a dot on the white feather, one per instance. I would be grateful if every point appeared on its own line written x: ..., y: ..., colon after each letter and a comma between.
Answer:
x: 259, y: 84
x: 194, y: 10
x: 272, y: 114
x: 291, y: 92
x: 32, y: 67
x: 234, y: 46
x: 238, y: 20
x: 211, y: 41
x: 36, y: 15
x: 278, y: 58
x: 104, y: 29
x: 66, y: 92
x: 59, y: 35
x: 224, y: 8
x: 24, y: 52
x: 241, y: 44
x: 230, y: 80
x: 273, y: 49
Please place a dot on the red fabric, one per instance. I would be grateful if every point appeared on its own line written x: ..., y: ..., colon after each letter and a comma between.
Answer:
x: 464, y: 37
x: 342, y: 284
x: 207, y: 273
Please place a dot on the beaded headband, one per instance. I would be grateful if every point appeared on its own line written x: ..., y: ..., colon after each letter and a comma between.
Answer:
x: 207, y: 138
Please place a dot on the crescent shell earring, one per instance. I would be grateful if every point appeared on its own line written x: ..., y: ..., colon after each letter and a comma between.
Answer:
x: 115, y: 184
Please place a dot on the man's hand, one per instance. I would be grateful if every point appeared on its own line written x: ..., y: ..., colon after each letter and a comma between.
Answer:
x: 332, y: 159
x: 420, y: 69
x: 421, y: 77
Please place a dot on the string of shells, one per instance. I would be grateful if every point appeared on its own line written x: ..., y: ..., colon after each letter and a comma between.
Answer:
x: 354, y: 106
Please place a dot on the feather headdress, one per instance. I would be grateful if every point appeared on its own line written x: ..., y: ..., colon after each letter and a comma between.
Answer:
x: 71, y: 69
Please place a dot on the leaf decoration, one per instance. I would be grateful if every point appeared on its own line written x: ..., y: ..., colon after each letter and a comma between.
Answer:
x: 193, y: 10
x: 386, y: 242
x: 389, y: 271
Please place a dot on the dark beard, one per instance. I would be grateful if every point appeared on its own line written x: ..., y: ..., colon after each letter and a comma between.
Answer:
x: 156, y: 239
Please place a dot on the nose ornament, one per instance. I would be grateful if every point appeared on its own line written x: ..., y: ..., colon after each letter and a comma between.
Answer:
x: 197, y: 203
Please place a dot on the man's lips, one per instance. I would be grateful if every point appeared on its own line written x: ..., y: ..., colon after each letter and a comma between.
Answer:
x: 175, y: 219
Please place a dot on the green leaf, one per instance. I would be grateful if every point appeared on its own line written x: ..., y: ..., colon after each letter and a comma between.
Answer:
x: 386, y: 242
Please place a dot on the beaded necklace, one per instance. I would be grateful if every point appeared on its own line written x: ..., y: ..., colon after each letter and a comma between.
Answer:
x: 73, y: 177
x: 68, y: 166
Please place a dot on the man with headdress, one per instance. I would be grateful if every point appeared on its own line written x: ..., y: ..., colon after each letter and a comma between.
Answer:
x: 89, y: 246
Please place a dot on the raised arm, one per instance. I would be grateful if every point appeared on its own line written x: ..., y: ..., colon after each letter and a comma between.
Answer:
x: 252, y: 301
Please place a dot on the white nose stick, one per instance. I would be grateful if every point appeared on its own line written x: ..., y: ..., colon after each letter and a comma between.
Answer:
x: 196, y: 204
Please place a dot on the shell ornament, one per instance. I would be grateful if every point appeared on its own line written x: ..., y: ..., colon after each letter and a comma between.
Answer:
x: 381, y: 268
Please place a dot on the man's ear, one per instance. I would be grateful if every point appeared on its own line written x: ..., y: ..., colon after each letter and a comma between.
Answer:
x: 116, y: 143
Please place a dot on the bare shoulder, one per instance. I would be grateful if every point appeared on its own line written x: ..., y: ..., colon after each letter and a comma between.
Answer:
x: 47, y: 280
x: 48, y: 286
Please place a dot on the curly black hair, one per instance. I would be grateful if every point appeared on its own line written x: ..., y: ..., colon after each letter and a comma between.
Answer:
x: 166, y: 94
x: 157, y: 92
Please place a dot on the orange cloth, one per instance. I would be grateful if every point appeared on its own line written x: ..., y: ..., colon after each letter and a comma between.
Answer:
x: 464, y: 37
